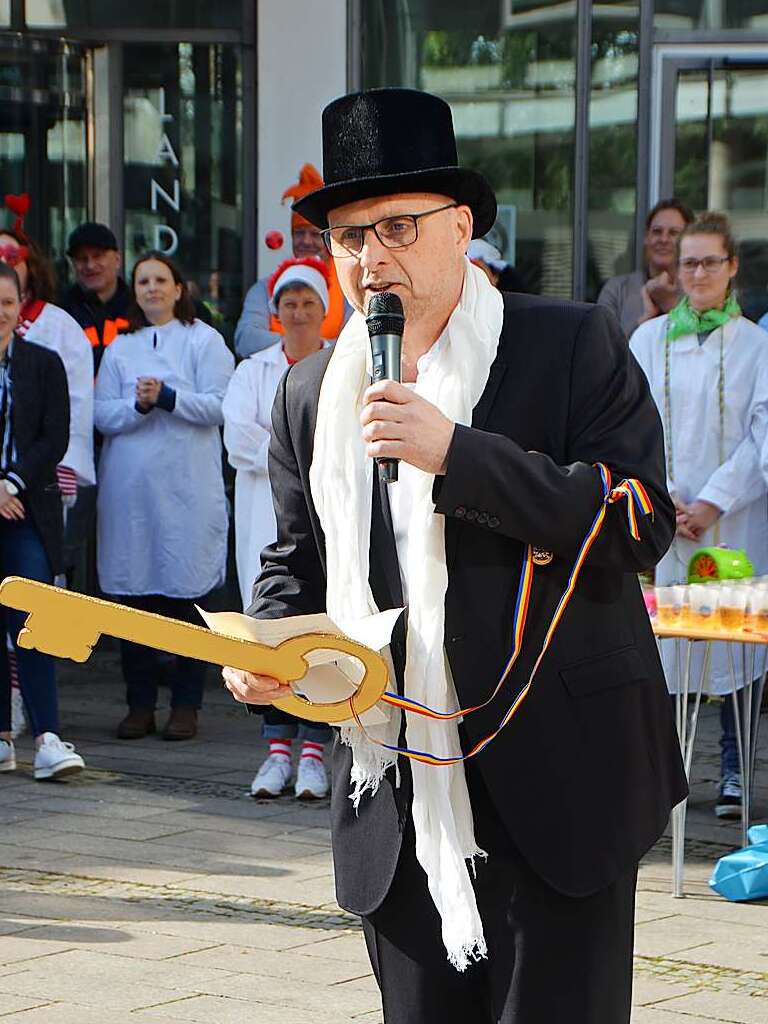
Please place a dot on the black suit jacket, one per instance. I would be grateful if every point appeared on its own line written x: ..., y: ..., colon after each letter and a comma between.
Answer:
x: 41, y: 436
x: 585, y: 775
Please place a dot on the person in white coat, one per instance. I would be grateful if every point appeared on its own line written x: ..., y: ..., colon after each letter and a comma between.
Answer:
x: 708, y: 370
x: 162, y: 516
x: 47, y: 324
x: 299, y: 297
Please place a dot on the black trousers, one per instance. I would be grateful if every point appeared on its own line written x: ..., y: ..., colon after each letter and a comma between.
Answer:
x: 142, y: 666
x: 552, y: 959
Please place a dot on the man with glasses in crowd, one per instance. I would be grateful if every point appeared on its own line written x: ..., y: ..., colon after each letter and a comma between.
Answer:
x: 495, y: 889
x: 99, y: 298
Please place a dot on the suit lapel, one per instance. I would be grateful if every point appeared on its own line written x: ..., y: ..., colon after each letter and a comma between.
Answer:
x: 385, y: 569
x: 483, y: 407
x: 479, y: 419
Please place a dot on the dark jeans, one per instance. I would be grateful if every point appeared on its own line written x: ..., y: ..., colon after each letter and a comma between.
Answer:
x: 552, y: 959
x: 143, y: 666
x: 22, y: 554
x: 729, y: 750
x: 279, y: 725
x: 80, y: 542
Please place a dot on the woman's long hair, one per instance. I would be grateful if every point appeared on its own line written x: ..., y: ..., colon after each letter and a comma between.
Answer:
x: 10, y: 274
x: 184, y: 308
x: 41, y: 278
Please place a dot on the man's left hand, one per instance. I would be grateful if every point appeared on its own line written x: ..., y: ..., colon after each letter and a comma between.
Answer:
x: 701, y: 515
x: 397, y: 424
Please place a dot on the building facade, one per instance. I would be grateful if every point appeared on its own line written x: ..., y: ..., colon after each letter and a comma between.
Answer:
x: 180, y: 123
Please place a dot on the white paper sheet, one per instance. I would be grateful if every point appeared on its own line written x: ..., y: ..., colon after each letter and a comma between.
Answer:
x: 332, y: 676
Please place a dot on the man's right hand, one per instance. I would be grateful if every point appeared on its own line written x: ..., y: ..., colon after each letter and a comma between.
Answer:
x: 251, y: 689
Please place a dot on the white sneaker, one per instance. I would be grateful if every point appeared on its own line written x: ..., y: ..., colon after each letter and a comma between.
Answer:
x: 311, y: 779
x: 273, y: 776
x: 55, y: 759
x: 7, y: 756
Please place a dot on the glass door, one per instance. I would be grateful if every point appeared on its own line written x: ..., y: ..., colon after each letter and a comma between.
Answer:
x: 43, y: 136
x: 714, y: 154
x: 183, y: 168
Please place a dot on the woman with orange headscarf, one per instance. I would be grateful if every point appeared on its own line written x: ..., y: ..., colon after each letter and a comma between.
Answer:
x: 257, y: 327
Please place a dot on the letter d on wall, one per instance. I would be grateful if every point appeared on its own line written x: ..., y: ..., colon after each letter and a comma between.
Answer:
x: 164, y: 232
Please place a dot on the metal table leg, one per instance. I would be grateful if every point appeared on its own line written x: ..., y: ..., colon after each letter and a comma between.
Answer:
x: 757, y: 700
x: 686, y: 731
x: 748, y: 724
x: 743, y: 722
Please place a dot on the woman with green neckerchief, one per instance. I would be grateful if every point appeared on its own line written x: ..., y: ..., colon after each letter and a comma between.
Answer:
x: 708, y: 370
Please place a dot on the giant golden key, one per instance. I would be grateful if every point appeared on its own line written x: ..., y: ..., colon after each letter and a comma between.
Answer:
x: 68, y: 625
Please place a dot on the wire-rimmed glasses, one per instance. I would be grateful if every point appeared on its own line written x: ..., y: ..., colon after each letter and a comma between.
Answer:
x: 709, y: 264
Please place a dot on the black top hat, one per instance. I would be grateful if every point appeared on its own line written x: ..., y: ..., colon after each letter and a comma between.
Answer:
x: 383, y: 141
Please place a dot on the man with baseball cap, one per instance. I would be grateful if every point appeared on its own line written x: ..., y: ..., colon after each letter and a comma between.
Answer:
x: 497, y: 888
x: 100, y: 298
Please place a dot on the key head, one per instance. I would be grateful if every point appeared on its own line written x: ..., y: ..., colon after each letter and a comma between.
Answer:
x: 54, y: 626
x: 369, y: 690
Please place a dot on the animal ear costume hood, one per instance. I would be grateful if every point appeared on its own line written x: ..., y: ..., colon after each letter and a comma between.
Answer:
x: 384, y: 141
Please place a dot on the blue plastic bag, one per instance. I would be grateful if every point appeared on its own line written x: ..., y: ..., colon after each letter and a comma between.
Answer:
x: 743, y: 874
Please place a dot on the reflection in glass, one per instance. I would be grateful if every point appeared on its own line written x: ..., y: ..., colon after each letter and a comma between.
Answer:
x: 612, y: 143
x: 705, y: 15
x: 183, y: 166
x: 508, y: 72
x: 136, y: 14
x: 721, y: 161
x: 42, y: 135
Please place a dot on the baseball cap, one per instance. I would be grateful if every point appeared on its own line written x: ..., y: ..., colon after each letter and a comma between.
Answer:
x: 98, y: 236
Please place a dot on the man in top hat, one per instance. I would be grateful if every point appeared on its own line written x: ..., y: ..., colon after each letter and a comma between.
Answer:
x: 258, y: 327
x: 499, y: 888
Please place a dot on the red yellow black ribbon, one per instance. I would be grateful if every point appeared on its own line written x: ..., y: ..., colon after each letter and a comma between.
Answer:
x: 636, y: 497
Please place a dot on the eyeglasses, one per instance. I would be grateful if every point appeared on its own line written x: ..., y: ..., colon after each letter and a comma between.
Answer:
x: 393, y: 232
x: 711, y: 264
x: 13, y: 255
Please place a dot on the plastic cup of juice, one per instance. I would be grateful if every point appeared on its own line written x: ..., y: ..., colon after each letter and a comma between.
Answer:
x: 705, y: 598
x: 733, y: 606
x: 669, y: 605
x: 757, y: 609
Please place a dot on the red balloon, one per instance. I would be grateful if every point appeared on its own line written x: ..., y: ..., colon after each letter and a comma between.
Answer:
x: 274, y: 239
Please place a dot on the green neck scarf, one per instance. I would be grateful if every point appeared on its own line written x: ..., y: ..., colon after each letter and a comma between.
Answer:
x: 683, y: 319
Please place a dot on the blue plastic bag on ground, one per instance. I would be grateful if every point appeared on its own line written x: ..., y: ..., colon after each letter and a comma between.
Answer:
x: 743, y: 874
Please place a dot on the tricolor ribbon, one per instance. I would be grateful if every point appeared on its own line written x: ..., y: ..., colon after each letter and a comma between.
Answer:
x: 638, y: 504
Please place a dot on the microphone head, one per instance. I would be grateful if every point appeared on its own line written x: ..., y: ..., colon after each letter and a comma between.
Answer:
x: 385, y: 314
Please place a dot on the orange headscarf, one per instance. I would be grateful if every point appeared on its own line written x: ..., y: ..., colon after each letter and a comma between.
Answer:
x: 330, y: 329
x: 309, y: 180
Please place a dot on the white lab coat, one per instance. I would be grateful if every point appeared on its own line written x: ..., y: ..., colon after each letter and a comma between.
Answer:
x: 162, y: 516
x: 737, y: 486
x: 57, y: 330
x: 247, y: 427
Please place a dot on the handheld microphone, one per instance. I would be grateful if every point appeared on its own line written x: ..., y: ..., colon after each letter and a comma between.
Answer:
x: 385, y: 323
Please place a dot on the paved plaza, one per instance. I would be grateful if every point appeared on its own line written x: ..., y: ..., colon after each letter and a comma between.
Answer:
x: 152, y: 889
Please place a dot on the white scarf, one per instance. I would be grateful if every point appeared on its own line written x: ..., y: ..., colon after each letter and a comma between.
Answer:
x: 341, y: 481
